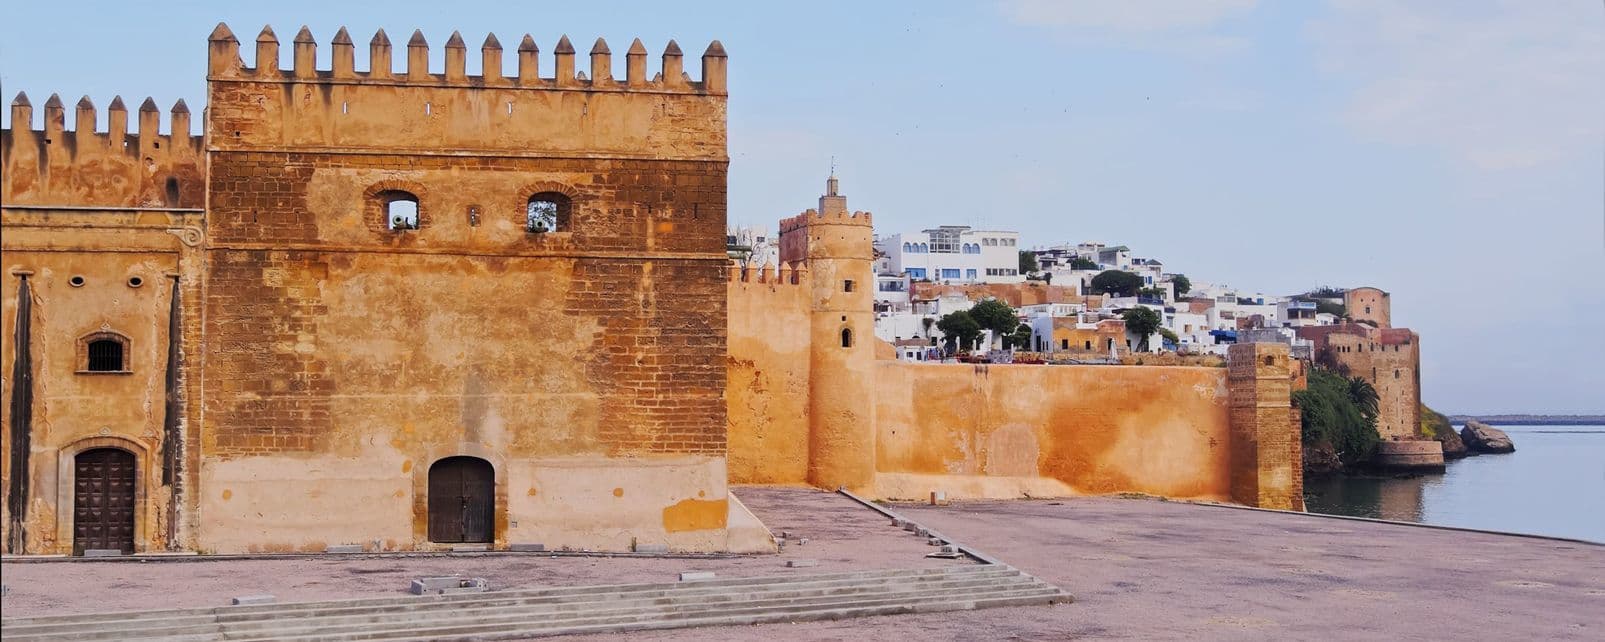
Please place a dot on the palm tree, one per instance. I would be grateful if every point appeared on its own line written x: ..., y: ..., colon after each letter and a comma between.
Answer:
x: 1364, y: 395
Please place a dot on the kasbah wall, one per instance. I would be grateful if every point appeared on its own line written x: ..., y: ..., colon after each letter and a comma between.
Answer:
x: 288, y: 358
x: 812, y: 401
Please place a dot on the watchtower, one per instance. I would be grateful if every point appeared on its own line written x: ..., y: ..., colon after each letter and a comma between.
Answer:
x: 837, y: 247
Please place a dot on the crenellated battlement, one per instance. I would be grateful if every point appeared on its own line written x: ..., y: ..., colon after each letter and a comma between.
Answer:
x: 547, y: 109
x: 83, y: 167
x: 793, y: 273
x: 815, y: 217
x: 224, y: 63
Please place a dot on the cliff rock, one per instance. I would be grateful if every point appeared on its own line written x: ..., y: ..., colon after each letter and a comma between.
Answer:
x: 1321, y: 458
x: 1434, y: 425
x: 1483, y: 438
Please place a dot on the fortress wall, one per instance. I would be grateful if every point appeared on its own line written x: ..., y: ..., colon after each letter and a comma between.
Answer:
x: 586, y: 364
x: 1095, y: 429
x: 767, y: 390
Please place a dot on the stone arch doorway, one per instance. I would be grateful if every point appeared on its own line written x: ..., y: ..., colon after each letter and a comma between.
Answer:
x: 103, y: 500
x: 462, y: 500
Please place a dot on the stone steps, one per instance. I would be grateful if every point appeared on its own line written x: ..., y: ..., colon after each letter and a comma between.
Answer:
x: 567, y: 610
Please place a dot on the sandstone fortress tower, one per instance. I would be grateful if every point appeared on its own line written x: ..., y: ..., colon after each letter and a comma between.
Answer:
x: 361, y: 330
x: 837, y: 247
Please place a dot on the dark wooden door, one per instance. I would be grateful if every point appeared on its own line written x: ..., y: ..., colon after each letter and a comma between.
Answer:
x: 103, y: 501
x: 462, y: 500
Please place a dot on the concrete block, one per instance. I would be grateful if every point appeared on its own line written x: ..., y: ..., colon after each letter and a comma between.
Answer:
x: 922, y: 532
x: 247, y: 600
x: 689, y: 576
x: 102, y: 552
x: 785, y: 534
x: 471, y: 585
x: 935, y: 541
x: 910, y: 526
x: 899, y: 522
x: 950, y: 548
x: 651, y: 548
x: 469, y: 548
x: 801, y: 541
x: 528, y: 548
x: 938, y: 498
x: 448, y: 585
x: 343, y: 548
x: 801, y: 563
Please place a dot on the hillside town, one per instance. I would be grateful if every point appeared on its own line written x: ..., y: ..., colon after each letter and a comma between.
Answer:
x: 1077, y: 303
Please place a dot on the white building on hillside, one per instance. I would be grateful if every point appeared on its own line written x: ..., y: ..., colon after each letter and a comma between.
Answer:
x: 953, y: 254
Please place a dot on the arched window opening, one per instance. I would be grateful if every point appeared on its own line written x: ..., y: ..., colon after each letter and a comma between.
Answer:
x: 401, y: 210
x: 546, y: 212
x: 908, y: 247
x: 103, y: 352
x: 847, y: 337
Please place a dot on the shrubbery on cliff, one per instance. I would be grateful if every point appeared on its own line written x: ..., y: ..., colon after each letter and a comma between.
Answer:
x: 1340, y: 412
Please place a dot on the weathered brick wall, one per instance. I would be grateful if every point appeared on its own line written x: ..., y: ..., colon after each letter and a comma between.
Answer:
x: 1266, y: 461
x: 631, y: 288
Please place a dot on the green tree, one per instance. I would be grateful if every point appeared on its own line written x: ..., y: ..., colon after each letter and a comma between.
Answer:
x: 1158, y: 293
x: 959, y: 330
x: 1082, y: 263
x: 1181, y: 284
x: 1142, y: 322
x: 1020, y: 339
x: 1116, y: 282
x: 1336, y: 410
x: 1028, y: 262
x: 1334, y: 309
x: 996, y: 316
x: 1170, y: 336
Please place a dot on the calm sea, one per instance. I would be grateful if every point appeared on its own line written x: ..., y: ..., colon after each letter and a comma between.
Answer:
x: 1554, y: 484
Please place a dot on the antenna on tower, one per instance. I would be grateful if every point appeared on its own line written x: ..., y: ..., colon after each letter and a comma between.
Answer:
x: 833, y: 165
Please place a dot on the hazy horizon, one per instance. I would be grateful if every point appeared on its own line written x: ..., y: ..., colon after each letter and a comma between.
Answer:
x: 1452, y: 154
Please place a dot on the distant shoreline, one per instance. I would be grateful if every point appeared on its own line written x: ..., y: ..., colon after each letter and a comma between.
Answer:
x: 1532, y: 420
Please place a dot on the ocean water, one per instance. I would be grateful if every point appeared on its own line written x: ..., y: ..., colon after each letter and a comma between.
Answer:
x: 1554, y: 484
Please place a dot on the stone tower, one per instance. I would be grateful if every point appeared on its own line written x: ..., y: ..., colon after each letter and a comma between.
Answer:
x: 837, y: 246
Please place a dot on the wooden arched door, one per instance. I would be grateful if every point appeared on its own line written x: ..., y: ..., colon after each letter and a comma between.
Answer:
x: 462, y: 500
x: 103, y: 501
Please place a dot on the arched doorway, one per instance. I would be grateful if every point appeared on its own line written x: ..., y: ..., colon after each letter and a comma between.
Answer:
x: 103, y: 500
x: 462, y: 500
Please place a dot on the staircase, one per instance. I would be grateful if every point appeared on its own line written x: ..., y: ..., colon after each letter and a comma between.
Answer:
x: 528, y: 613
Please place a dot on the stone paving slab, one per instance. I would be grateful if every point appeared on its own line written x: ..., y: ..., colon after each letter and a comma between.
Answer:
x: 1153, y: 570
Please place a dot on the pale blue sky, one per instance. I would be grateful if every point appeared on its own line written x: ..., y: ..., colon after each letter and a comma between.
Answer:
x: 1452, y: 153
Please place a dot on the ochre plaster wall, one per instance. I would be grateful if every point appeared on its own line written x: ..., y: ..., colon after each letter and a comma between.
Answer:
x: 767, y: 388
x: 75, y: 410
x: 1097, y: 429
